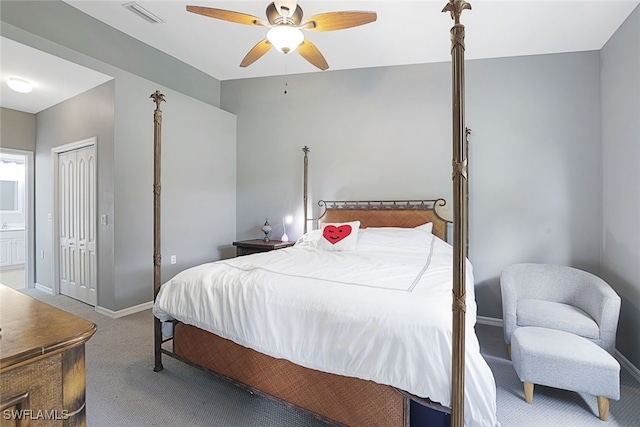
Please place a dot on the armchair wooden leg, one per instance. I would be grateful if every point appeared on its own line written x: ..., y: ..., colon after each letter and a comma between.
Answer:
x: 509, y: 351
x: 528, y: 393
x: 603, y: 408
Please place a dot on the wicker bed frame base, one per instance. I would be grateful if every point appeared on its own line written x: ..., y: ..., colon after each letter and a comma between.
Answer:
x: 343, y: 400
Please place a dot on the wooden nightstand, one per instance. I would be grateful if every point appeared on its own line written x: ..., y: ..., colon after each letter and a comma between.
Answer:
x: 246, y: 247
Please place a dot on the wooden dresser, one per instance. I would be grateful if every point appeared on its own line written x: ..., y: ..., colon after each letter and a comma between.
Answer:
x: 42, y: 367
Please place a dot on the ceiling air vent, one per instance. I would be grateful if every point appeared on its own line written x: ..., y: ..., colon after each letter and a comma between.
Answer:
x: 143, y: 13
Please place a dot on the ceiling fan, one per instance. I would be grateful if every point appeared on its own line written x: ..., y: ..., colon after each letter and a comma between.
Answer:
x: 284, y: 18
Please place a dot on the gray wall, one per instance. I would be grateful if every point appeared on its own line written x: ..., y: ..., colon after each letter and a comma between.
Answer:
x: 90, y: 114
x: 198, y: 154
x: 17, y: 130
x: 620, y: 70
x: 535, y: 166
x: 193, y: 130
x: 370, y: 131
x: 385, y: 134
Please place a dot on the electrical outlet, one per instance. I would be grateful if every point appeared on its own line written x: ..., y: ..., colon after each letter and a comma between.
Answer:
x: 104, y: 219
x: 42, y: 254
x: 173, y: 259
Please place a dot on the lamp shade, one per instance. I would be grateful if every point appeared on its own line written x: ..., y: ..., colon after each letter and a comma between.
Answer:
x: 285, y: 38
x: 286, y: 220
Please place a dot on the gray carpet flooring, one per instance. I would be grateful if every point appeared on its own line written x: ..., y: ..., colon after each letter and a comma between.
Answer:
x: 123, y: 390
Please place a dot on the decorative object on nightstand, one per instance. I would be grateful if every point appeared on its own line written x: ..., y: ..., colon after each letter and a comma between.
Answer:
x: 286, y: 220
x: 247, y: 247
x: 266, y: 229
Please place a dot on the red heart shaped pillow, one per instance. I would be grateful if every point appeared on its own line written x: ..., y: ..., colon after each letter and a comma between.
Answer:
x: 335, y: 234
x: 340, y: 236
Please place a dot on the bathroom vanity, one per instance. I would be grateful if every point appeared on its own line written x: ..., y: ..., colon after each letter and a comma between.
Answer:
x: 12, y: 248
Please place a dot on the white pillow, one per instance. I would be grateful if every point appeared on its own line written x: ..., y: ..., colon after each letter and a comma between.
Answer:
x: 428, y: 227
x: 309, y: 239
x: 341, y: 236
x: 383, y: 238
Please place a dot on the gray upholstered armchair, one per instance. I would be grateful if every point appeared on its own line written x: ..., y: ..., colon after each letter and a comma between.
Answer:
x: 559, y: 297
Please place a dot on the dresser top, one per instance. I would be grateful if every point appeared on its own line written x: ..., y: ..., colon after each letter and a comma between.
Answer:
x: 31, y: 328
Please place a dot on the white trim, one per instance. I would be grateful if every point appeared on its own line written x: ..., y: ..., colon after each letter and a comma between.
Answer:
x: 74, y: 145
x: 630, y: 367
x: 29, y: 213
x: 491, y: 321
x: 124, y: 312
x: 43, y: 288
x: 624, y: 362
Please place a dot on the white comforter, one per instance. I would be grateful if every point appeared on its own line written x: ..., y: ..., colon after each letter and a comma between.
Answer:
x: 381, y: 312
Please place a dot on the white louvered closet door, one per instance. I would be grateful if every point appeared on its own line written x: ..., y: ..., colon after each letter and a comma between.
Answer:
x: 77, y: 226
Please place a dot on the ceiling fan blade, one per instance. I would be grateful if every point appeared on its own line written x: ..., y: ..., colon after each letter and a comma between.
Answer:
x: 227, y: 15
x: 256, y: 53
x: 332, y: 21
x: 310, y: 52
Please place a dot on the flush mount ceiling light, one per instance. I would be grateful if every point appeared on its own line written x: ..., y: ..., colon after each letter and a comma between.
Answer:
x: 19, y: 85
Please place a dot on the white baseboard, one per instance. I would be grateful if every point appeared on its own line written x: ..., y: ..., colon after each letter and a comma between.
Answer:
x: 624, y: 362
x: 124, y: 312
x: 43, y: 288
x: 491, y: 321
x: 630, y: 367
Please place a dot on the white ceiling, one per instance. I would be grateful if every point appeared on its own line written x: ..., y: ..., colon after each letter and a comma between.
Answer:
x: 406, y: 32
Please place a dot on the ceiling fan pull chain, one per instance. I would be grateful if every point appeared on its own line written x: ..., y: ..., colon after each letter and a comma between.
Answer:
x: 286, y: 77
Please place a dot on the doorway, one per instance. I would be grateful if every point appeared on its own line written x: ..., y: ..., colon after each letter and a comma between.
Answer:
x: 75, y: 241
x: 14, y: 218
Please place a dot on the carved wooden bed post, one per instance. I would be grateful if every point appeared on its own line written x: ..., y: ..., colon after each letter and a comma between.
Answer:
x: 460, y: 212
x: 305, y: 150
x: 157, y: 257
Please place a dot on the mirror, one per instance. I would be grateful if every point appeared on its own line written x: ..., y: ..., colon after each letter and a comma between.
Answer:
x: 8, y: 196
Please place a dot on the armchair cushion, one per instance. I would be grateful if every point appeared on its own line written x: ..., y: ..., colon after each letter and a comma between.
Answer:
x: 554, y: 315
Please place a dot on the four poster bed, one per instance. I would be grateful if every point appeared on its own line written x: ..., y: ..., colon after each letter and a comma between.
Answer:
x: 352, y: 335
x: 357, y: 336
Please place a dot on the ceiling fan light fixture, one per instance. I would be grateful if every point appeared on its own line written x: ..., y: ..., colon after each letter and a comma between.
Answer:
x: 285, y: 38
x: 19, y: 85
